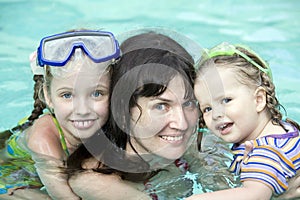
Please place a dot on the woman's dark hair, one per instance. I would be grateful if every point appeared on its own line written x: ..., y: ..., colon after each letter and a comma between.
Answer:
x: 144, y: 70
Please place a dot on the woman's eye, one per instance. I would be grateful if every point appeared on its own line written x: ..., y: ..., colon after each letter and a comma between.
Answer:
x: 67, y: 95
x: 160, y: 106
x: 190, y: 103
x: 97, y: 93
x: 226, y: 100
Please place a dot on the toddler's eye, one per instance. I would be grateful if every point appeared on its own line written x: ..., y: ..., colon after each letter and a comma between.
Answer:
x: 206, y: 109
x: 226, y: 100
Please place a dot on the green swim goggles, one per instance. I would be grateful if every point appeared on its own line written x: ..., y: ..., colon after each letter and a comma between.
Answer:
x: 225, y: 49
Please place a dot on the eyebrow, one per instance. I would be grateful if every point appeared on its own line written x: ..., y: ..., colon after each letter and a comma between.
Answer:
x: 64, y: 89
x: 100, y: 85
x: 162, y: 99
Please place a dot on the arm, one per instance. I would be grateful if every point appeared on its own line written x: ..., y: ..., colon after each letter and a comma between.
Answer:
x: 53, y: 177
x: 94, y: 185
x: 293, y: 191
x: 44, y: 144
x: 251, y: 190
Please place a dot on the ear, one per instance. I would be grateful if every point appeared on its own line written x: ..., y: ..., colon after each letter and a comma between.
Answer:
x: 260, y: 98
x: 47, y: 96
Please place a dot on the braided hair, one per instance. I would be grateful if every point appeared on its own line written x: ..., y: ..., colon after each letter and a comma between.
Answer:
x: 38, y: 105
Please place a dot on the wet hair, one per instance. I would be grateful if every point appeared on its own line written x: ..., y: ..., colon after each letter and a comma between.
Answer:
x: 38, y: 105
x: 250, y: 75
x: 144, y: 70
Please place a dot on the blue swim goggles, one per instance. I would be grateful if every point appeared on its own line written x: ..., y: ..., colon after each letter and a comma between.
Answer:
x: 56, y: 50
x: 225, y: 49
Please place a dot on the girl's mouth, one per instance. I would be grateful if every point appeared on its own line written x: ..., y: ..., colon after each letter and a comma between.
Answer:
x: 85, y: 124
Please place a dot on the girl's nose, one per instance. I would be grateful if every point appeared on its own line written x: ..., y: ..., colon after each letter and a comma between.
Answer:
x: 81, y: 106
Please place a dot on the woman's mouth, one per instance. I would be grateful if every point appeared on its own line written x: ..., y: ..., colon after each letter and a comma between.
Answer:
x: 172, y: 138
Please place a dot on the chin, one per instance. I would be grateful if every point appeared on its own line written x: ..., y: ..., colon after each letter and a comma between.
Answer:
x: 174, y: 155
x: 84, y: 135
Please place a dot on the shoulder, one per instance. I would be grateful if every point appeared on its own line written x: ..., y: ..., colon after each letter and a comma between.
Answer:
x: 43, y: 137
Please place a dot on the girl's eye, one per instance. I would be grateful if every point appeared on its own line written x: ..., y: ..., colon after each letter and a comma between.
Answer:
x: 67, y: 95
x: 97, y: 93
x: 226, y: 100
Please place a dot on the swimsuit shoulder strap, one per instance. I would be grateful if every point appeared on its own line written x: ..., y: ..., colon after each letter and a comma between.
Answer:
x: 61, y: 136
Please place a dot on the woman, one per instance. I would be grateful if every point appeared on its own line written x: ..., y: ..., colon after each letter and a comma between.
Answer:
x: 152, y: 123
x: 153, y: 117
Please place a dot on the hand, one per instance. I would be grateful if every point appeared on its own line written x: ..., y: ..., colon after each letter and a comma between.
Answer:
x: 90, y: 163
x: 248, y: 149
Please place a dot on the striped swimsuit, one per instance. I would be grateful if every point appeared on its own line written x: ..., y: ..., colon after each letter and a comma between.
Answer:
x: 273, y: 160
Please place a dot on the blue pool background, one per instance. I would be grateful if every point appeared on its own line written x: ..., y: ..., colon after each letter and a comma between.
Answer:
x: 271, y: 27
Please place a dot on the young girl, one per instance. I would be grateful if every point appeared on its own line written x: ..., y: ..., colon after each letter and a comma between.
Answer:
x: 75, y: 70
x: 237, y: 100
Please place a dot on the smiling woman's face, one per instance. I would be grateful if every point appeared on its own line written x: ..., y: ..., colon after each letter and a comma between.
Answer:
x: 163, y: 125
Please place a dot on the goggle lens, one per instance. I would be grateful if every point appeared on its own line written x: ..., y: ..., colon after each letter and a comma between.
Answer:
x: 99, y: 46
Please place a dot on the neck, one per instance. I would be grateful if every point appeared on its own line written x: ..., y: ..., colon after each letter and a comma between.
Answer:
x: 72, y: 141
x: 265, y: 127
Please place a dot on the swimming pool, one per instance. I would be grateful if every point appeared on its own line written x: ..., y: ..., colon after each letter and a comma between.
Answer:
x: 270, y: 27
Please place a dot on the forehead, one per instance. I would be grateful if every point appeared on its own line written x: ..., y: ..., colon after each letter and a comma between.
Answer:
x: 214, y: 81
x: 175, y: 92
x: 82, y: 79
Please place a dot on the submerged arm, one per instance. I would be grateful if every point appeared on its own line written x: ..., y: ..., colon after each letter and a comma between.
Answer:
x: 54, y: 178
x: 94, y: 185
x: 251, y: 190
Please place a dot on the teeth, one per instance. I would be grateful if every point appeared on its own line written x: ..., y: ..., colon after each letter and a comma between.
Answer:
x: 222, y: 126
x: 82, y: 124
x: 172, y: 138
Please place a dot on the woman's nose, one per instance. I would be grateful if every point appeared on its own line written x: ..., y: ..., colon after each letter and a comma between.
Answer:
x: 178, y: 119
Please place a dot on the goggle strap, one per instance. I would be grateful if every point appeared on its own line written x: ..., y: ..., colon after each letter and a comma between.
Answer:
x: 232, y: 50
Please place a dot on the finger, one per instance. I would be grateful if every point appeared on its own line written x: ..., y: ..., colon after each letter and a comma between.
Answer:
x: 90, y: 163
x: 248, y: 149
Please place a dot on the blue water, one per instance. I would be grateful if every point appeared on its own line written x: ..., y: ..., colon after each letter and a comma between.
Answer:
x: 271, y: 27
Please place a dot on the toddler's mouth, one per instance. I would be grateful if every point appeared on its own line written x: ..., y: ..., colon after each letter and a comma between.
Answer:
x: 225, y: 127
